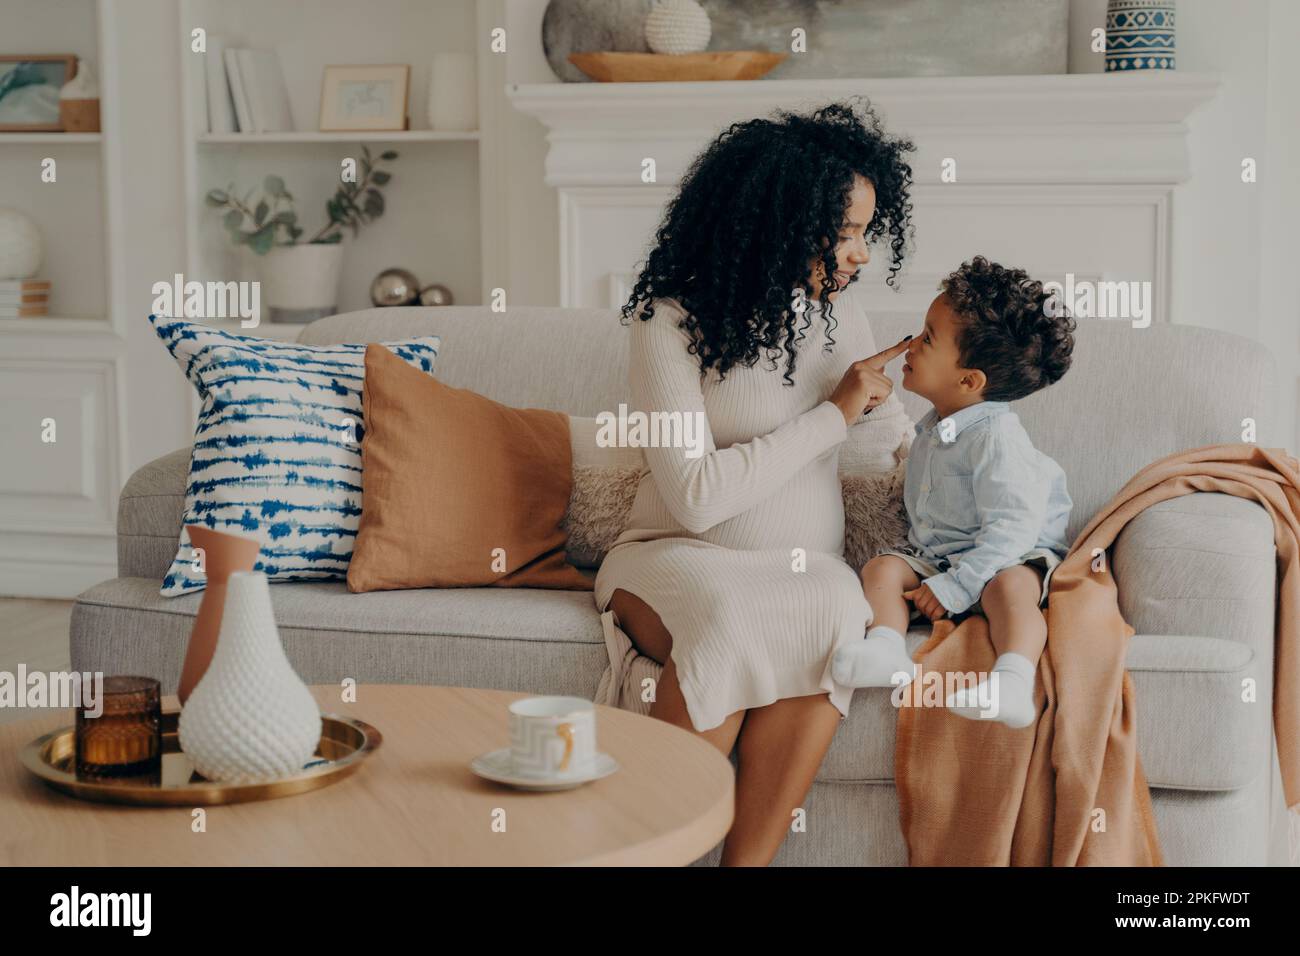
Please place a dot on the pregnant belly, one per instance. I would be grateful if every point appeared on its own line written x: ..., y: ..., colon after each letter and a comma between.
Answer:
x: 807, y: 512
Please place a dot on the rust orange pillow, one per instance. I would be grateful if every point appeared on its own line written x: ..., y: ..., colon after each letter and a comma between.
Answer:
x: 458, y: 490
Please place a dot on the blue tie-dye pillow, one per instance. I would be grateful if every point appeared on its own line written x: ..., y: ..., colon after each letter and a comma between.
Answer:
x: 277, y: 449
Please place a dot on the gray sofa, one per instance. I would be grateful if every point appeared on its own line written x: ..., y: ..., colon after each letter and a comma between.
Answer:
x: 1196, y: 575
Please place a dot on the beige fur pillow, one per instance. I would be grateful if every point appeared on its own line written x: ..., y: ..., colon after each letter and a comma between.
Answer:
x: 605, y: 481
x: 874, y: 517
x: 604, y: 486
x: 872, y: 465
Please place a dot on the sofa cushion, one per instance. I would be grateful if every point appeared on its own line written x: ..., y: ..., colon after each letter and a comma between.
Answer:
x: 459, y: 490
x: 1194, y: 729
x: 544, y: 642
x: 276, y: 451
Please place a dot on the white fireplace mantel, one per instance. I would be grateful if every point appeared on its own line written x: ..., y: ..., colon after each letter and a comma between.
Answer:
x: 1101, y: 152
x: 1069, y: 128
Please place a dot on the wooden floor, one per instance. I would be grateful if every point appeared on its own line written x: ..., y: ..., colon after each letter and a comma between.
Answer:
x: 35, y: 633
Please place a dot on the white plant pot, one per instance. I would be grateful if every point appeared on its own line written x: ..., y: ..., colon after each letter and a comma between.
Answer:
x: 300, y: 283
x: 251, y: 717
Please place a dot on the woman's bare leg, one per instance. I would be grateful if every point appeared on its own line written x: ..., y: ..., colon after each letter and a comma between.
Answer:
x: 782, y: 746
x: 646, y: 630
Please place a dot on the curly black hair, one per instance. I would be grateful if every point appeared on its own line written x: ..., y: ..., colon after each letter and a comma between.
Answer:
x: 1009, y: 327
x: 762, y: 201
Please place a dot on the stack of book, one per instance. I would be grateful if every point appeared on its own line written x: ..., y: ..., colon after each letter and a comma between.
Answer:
x: 24, y: 298
x: 246, y: 91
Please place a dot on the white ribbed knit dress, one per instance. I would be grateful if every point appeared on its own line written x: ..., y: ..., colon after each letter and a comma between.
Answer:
x: 710, y: 542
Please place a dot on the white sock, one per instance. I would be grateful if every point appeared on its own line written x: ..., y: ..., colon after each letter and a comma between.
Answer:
x: 1006, y: 695
x: 875, y: 661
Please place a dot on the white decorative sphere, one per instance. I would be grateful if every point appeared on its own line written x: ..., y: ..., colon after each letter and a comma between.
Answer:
x: 677, y: 26
x: 21, y: 247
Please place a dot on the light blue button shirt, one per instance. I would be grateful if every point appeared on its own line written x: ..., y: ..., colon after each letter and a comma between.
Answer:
x: 979, y: 496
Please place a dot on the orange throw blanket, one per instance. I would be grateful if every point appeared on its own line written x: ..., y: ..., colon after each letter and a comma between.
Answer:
x: 977, y: 793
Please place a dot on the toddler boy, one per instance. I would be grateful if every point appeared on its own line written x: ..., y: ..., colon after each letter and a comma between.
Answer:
x: 987, y: 510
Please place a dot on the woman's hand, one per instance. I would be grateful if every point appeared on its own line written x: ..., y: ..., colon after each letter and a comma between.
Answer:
x: 865, y: 384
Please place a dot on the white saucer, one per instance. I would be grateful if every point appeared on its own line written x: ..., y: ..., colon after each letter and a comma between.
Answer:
x: 498, y: 766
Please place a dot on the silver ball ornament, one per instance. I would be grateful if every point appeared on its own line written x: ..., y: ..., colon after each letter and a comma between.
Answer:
x: 435, y: 294
x: 394, y: 287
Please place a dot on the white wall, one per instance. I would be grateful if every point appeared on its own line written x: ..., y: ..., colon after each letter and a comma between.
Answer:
x: 1233, y: 243
x: 1218, y: 226
x: 534, y: 275
x: 1279, y: 320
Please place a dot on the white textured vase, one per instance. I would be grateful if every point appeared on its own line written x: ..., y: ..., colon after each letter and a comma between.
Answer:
x: 251, y: 717
x: 677, y: 26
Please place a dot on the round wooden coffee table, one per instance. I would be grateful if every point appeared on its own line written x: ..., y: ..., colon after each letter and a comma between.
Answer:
x: 415, y: 802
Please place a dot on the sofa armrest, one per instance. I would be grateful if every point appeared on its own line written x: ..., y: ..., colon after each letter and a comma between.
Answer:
x: 149, y: 514
x: 1201, y: 564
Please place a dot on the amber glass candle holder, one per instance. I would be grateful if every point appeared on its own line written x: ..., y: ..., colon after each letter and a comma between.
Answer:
x: 126, y: 739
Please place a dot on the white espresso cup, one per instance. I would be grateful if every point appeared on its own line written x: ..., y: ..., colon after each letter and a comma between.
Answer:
x: 553, y: 737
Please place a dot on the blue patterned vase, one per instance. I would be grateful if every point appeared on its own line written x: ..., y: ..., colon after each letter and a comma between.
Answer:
x: 1139, y: 35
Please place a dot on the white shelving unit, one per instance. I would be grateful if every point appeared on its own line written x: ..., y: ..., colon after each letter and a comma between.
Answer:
x: 75, y: 212
x: 71, y: 212
x: 56, y: 325
x: 53, y: 139
x: 58, y: 498
x: 407, y: 136
x: 431, y: 223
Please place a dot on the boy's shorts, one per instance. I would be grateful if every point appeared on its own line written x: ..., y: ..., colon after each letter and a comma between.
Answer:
x: 1045, y: 558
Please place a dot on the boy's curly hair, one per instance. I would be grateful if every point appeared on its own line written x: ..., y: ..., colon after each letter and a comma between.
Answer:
x: 1007, y: 330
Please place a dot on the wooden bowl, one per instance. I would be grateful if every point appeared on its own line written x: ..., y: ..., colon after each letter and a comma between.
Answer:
x: 676, y: 67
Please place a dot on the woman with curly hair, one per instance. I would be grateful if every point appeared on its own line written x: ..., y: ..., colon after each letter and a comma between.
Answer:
x: 731, y: 572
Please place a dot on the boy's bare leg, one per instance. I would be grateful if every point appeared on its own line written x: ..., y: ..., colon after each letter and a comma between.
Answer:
x: 1016, y: 623
x: 884, y: 579
x: 1018, y: 632
x: 881, y: 660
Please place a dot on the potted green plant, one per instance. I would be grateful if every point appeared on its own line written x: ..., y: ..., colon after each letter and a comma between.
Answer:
x: 300, y: 278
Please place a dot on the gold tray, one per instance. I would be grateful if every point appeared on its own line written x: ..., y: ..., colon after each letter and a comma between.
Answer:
x: 344, y: 744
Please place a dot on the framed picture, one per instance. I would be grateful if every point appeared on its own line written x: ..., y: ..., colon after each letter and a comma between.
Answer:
x: 29, y: 90
x: 357, y: 98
